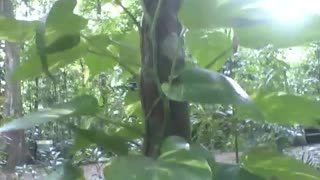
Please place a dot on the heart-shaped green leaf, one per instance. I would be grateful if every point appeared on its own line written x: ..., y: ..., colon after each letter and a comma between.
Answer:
x: 61, y: 20
x: 82, y: 105
x: 32, y: 67
x: 269, y: 163
x: 16, y: 30
x: 176, y: 164
x: 128, y: 49
x: 288, y: 109
x: 84, y: 138
x: 204, y: 86
x: 98, y: 63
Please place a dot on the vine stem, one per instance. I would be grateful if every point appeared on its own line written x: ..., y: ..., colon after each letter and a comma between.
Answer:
x: 154, y: 42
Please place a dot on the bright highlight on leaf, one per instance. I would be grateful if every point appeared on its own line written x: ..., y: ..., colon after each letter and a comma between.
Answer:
x: 268, y: 163
x: 291, y: 11
x: 257, y: 23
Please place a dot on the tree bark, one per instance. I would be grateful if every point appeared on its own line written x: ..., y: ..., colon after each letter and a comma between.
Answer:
x: 177, y: 123
x: 16, y: 146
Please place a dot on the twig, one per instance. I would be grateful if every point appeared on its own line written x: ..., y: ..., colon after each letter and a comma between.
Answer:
x: 129, y: 14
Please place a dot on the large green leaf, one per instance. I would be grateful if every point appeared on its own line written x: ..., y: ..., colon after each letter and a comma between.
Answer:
x: 16, y: 30
x: 130, y: 167
x: 132, y: 131
x: 288, y: 109
x: 100, y: 58
x: 128, y: 49
x: 63, y: 43
x: 99, y: 43
x: 269, y: 163
x: 252, y: 22
x: 212, y: 13
x: 61, y: 20
x: 82, y: 105
x: 84, y: 138
x: 178, y: 166
x: 98, y: 63
x: 279, y: 35
x: 211, y: 49
x: 32, y: 67
x: 175, y: 164
x: 204, y: 86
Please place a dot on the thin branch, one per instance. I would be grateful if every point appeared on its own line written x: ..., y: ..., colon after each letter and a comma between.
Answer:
x: 135, y: 21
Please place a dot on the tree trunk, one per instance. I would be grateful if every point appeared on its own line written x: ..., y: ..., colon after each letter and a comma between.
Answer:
x: 16, y: 147
x: 158, y: 126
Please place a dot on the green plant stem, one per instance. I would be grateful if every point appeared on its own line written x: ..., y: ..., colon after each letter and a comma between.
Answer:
x: 166, y: 105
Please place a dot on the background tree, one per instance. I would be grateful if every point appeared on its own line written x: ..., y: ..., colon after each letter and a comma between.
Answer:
x: 17, y: 150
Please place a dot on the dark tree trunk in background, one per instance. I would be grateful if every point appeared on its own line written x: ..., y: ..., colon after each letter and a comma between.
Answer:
x: 16, y: 148
x: 178, y: 122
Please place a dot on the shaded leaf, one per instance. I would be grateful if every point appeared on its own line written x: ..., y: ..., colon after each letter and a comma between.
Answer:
x: 61, y: 20
x: 204, y: 86
x: 130, y: 167
x: 180, y: 164
x: 32, y: 67
x: 183, y: 164
x: 98, y: 63
x: 99, y: 43
x: 63, y: 43
x: 288, y: 109
x: 131, y: 132
x: 128, y: 49
x: 79, y: 106
x: 84, y: 138
x: 269, y: 163
x: 16, y: 30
